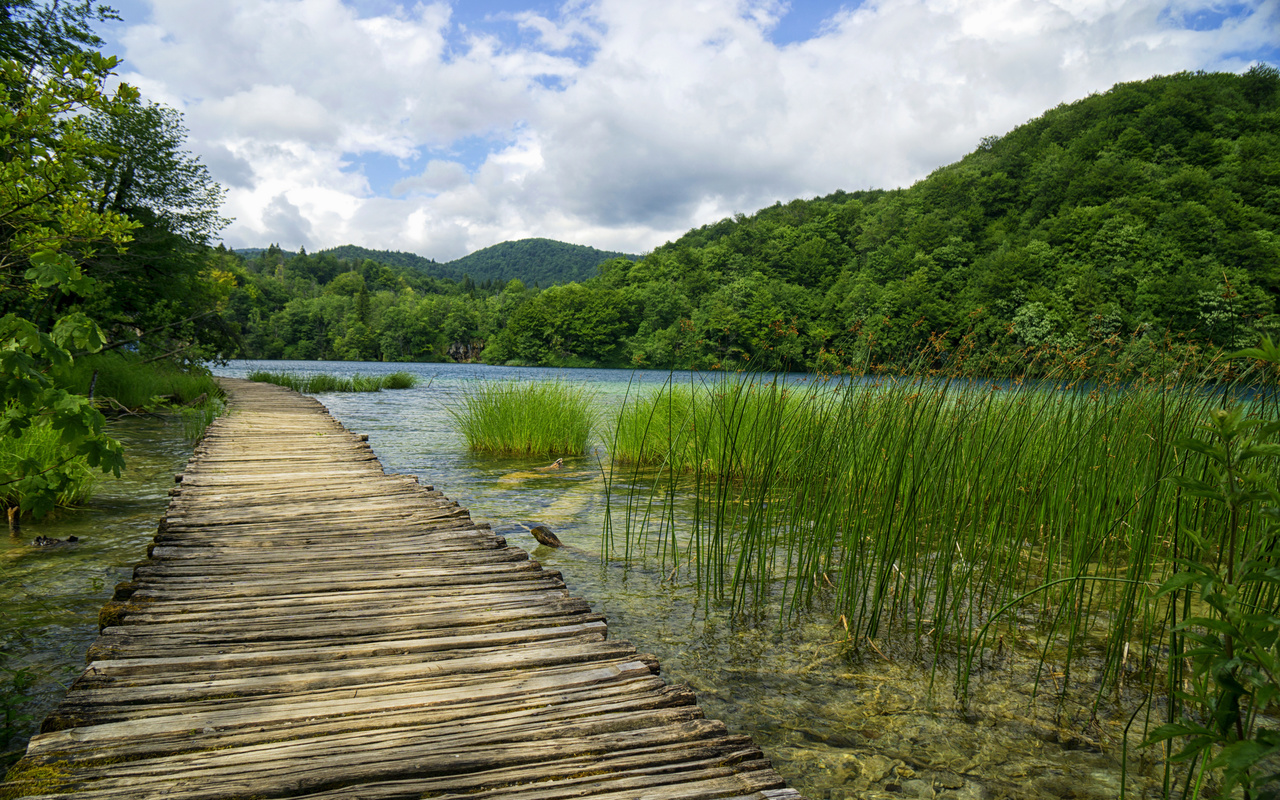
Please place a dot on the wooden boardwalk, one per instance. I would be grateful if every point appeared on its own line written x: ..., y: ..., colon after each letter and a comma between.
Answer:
x: 308, y: 626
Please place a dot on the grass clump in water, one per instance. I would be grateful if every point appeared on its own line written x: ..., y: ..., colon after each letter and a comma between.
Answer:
x: 39, y: 451
x: 122, y: 380
x: 399, y: 380
x: 196, y: 419
x: 318, y: 384
x: 526, y: 419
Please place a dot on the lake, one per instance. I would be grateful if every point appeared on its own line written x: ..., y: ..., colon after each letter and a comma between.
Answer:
x: 834, y: 725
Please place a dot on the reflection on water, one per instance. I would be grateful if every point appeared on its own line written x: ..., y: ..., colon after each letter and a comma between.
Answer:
x: 835, y: 727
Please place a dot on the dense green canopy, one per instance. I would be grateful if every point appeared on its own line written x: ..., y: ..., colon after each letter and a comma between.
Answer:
x: 1149, y: 212
x: 104, y: 230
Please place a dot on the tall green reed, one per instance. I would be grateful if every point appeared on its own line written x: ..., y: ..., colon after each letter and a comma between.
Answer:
x: 526, y: 418
x: 40, y: 451
x: 917, y: 507
x: 317, y: 384
x: 197, y: 419
x: 133, y: 383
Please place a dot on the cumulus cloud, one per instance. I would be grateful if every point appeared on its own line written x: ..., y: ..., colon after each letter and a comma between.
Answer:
x: 439, y: 176
x: 621, y: 124
x: 285, y: 224
x: 226, y: 167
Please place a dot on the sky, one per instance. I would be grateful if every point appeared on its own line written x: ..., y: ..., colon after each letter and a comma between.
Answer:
x: 440, y: 128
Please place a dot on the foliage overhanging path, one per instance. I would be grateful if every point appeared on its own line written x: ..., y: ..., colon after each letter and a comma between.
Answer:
x: 309, y: 625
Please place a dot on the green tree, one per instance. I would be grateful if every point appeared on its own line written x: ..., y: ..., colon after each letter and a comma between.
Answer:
x: 50, y: 224
x: 39, y: 34
x: 166, y: 291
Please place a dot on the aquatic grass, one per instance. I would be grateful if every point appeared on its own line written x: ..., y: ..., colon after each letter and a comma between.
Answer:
x: 124, y: 380
x: 196, y: 419
x: 321, y: 383
x: 288, y: 380
x: 921, y: 506
x: 40, y: 451
x: 526, y: 418
x: 399, y: 380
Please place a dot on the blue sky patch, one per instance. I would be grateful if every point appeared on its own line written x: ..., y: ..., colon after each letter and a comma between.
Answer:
x: 469, y: 151
x: 496, y: 18
x: 381, y: 170
x: 804, y: 20
x: 1211, y: 19
x: 384, y: 171
x: 553, y: 82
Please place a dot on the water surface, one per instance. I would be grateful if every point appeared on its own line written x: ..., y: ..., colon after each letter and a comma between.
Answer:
x: 835, y: 726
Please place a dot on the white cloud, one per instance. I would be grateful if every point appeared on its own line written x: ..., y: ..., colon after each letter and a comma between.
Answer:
x: 615, y: 123
x: 439, y: 176
x: 283, y: 221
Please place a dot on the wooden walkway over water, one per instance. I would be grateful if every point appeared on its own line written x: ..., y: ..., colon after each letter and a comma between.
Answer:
x: 309, y: 626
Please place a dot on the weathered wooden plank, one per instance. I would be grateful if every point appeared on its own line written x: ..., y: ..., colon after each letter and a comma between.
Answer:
x: 467, y: 690
x: 146, y: 738
x: 287, y: 768
x: 306, y: 625
x: 122, y: 642
x: 342, y: 651
x: 159, y: 581
x: 567, y: 775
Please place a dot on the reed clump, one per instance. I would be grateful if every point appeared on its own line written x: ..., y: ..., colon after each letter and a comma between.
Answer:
x: 930, y: 514
x: 197, y: 418
x: 399, y: 380
x: 124, y: 381
x: 526, y: 418
x: 319, y: 384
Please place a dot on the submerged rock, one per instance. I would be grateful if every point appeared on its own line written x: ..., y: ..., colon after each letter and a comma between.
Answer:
x: 544, y: 536
x: 45, y: 541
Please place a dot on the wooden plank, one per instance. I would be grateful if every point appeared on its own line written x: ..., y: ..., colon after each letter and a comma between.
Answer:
x: 306, y: 625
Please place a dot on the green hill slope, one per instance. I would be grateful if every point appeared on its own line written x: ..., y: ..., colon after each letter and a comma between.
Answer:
x: 394, y: 258
x: 532, y: 261
x: 1152, y: 208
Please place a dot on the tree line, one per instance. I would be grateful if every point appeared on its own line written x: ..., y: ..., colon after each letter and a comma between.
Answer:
x: 105, y: 226
x: 1144, y: 215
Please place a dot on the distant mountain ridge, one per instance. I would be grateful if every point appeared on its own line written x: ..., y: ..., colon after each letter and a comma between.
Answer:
x: 540, y: 261
x: 533, y: 261
x: 392, y: 258
x: 543, y: 262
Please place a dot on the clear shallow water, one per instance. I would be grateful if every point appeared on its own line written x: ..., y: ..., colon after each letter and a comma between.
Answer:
x: 50, y: 597
x: 835, y: 727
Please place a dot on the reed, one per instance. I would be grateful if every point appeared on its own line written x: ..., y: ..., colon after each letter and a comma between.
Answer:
x: 399, y: 380
x: 526, y: 419
x: 319, y: 384
x: 122, y: 380
x: 196, y: 419
x: 930, y: 516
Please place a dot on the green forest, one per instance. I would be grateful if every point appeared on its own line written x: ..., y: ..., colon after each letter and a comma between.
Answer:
x: 1143, y: 217
x: 106, y: 222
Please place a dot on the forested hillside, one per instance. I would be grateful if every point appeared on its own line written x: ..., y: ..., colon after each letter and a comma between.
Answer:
x: 394, y: 258
x: 1143, y: 215
x: 536, y: 262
